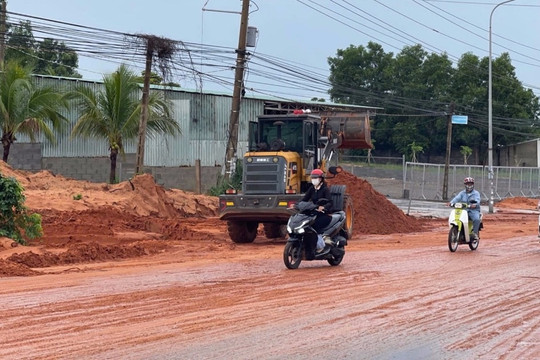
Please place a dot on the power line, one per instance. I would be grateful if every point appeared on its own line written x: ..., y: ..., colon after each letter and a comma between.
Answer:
x: 271, y: 75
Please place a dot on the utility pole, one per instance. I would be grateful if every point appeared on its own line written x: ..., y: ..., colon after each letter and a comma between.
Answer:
x: 232, y: 142
x: 144, y: 106
x: 448, y: 152
x: 490, y: 115
x: 3, y: 6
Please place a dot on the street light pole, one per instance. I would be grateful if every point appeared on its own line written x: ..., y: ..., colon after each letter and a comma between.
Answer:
x: 490, y: 116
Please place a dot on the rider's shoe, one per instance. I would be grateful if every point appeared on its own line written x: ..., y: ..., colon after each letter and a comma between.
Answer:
x: 322, y: 251
x: 328, y: 240
x: 474, y: 236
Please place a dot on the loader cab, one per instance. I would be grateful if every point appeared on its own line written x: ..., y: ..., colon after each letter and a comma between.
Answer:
x: 278, y: 133
x: 277, y: 144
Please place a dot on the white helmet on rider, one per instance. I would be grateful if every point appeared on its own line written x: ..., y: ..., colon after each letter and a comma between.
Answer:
x: 469, y: 184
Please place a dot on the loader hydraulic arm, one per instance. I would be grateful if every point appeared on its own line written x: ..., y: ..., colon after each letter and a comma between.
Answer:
x: 329, y: 141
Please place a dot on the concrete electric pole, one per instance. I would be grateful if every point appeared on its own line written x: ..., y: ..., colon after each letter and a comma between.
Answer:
x: 3, y: 5
x: 232, y: 142
x: 448, y: 152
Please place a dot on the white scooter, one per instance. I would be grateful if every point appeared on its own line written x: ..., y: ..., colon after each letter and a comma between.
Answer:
x: 461, y: 228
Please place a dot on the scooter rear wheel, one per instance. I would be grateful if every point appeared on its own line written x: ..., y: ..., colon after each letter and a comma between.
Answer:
x: 453, y: 238
x: 292, y: 255
x: 336, y: 260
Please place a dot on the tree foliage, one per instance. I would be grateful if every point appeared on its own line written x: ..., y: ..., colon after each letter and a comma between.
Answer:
x: 155, y: 79
x: 15, y: 221
x: 27, y: 109
x: 46, y: 57
x: 113, y: 114
x: 414, y: 89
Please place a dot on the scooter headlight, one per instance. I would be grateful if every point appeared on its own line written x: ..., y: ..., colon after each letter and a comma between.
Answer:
x: 301, y: 228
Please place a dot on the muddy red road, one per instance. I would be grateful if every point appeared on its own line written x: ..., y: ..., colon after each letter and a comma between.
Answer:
x: 397, y: 296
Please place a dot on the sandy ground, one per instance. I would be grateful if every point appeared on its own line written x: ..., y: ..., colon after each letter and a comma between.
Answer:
x: 135, y: 271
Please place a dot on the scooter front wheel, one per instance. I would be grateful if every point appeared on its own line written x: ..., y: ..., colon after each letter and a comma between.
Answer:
x: 292, y: 255
x: 473, y: 245
x: 453, y: 238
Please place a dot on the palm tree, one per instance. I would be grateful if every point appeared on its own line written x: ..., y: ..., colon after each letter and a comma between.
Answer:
x: 113, y: 114
x: 27, y: 109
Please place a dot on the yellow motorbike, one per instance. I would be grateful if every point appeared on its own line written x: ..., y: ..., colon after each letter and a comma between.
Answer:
x: 461, y: 228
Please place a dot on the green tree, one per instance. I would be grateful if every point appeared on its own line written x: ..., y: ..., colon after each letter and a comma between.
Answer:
x: 46, y: 57
x: 469, y: 92
x: 360, y: 75
x: 15, y: 220
x: 113, y: 114
x: 155, y: 79
x: 423, y: 80
x: 466, y: 152
x: 21, y: 44
x: 27, y: 109
x: 415, y: 89
x: 515, y: 109
x: 414, y: 149
x: 55, y: 58
x: 511, y: 101
x: 363, y: 76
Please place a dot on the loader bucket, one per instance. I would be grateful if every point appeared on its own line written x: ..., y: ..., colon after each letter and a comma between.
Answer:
x: 352, y: 127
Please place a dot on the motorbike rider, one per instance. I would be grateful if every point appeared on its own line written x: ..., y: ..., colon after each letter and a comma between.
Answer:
x: 320, y: 195
x: 472, y: 198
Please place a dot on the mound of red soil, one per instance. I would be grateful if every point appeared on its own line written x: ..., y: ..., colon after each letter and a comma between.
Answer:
x: 373, y: 212
x: 89, y: 222
x: 86, y: 252
x: 10, y: 268
x: 518, y: 202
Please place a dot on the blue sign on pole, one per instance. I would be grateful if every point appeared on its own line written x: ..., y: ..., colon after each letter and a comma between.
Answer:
x: 460, y: 119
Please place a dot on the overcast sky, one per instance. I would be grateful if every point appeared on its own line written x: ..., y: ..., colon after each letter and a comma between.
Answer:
x: 307, y: 32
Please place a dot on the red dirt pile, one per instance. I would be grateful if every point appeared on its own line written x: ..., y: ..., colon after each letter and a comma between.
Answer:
x: 89, y: 222
x: 140, y: 196
x: 518, y: 202
x: 373, y: 212
x: 92, y: 222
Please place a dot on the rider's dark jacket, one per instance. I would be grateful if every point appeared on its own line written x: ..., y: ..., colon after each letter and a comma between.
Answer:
x: 314, y: 195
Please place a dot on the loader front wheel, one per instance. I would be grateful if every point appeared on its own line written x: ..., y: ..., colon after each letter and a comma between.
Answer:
x: 242, y: 232
x: 349, y: 212
x: 275, y: 231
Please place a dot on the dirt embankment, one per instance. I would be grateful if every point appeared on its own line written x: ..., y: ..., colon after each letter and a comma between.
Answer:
x: 86, y: 222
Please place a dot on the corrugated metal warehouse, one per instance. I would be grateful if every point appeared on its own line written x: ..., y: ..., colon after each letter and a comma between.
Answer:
x: 203, y: 117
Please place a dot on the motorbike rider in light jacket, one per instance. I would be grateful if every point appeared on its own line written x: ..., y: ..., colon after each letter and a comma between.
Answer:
x: 473, y: 209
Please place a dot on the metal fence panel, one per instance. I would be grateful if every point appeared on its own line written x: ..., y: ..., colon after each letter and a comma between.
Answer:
x: 425, y: 181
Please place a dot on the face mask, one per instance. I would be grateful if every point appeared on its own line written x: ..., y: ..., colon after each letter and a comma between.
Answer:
x: 315, y: 182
